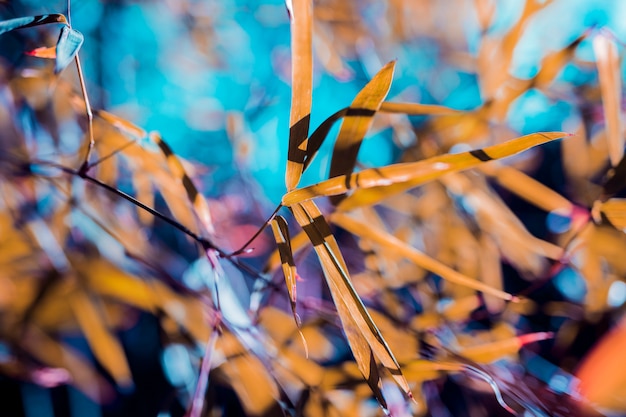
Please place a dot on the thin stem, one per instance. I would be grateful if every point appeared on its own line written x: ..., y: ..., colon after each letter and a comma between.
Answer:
x: 258, y: 232
x: 206, y: 244
x: 112, y: 154
x: 85, y: 166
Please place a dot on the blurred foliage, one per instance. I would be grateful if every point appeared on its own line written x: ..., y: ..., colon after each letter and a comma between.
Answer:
x: 460, y: 271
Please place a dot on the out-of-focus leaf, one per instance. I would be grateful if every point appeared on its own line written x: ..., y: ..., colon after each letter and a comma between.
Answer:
x: 47, y: 350
x: 122, y: 124
x: 366, y: 231
x: 609, y: 73
x: 104, y: 345
x: 601, y: 381
x: 489, y: 352
x: 255, y: 388
x: 68, y: 45
x: 364, y: 337
x: 25, y: 22
x: 529, y: 189
x: 415, y: 108
x: 44, y: 52
x: 393, y: 179
x: 517, y: 245
x: 199, y: 203
x: 612, y: 210
x: 358, y: 121
x: 301, y: 14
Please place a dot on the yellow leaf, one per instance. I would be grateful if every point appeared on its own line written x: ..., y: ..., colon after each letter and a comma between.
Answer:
x: 358, y: 121
x: 609, y: 73
x: 365, y: 339
x: 404, y: 176
x: 104, y: 345
x: 301, y: 13
x: 366, y: 231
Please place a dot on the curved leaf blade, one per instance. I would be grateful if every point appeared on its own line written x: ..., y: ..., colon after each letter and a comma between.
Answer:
x: 404, y: 176
x: 69, y: 43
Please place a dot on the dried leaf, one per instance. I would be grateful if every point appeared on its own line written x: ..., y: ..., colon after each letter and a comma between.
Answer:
x: 613, y: 211
x: 392, y: 179
x: 104, y: 345
x: 281, y: 235
x: 385, y: 239
x: 44, y: 52
x: 358, y: 121
x: 25, y: 22
x: 301, y: 14
x: 364, y: 337
x: 197, y: 200
x: 68, y: 45
x: 609, y: 73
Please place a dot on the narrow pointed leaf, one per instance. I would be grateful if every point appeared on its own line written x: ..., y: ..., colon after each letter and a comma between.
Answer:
x: 415, y: 109
x: 489, y: 352
x: 105, y: 347
x: 350, y: 306
x: 612, y: 211
x: 281, y: 235
x: 404, y: 176
x: 529, y: 189
x: 608, y: 64
x: 44, y: 52
x: 197, y: 200
x: 358, y: 121
x: 25, y: 22
x: 385, y: 239
x: 68, y: 45
x: 301, y: 14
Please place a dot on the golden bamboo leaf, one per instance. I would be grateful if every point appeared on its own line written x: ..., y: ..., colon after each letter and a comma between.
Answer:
x: 280, y: 229
x: 122, y: 124
x: 393, y: 179
x: 197, y: 200
x: 301, y: 17
x: 489, y: 352
x: 53, y: 353
x: 613, y: 210
x: 364, y: 337
x: 383, y: 238
x: 297, y: 244
x: 529, y: 189
x: 609, y: 73
x: 415, y: 108
x: 358, y: 121
x: 104, y: 345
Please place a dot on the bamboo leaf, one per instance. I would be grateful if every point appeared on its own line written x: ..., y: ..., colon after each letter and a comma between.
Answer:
x: 385, y: 239
x: 609, y: 73
x: 197, y: 200
x: 393, y: 179
x: 529, y: 189
x: 358, y: 121
x: 44, y: 52
x: 104, y: 345
x: 281, y: 235
x: 122, y: 124
x: 68, y: 45
x: 301, y: 16
x: 49, y: 351
x: 297, y: 244
x: 489, y: 352
x: 613, y: 211
x: 30, y: 21
x: 360, y: 329
x: 416, y: 109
